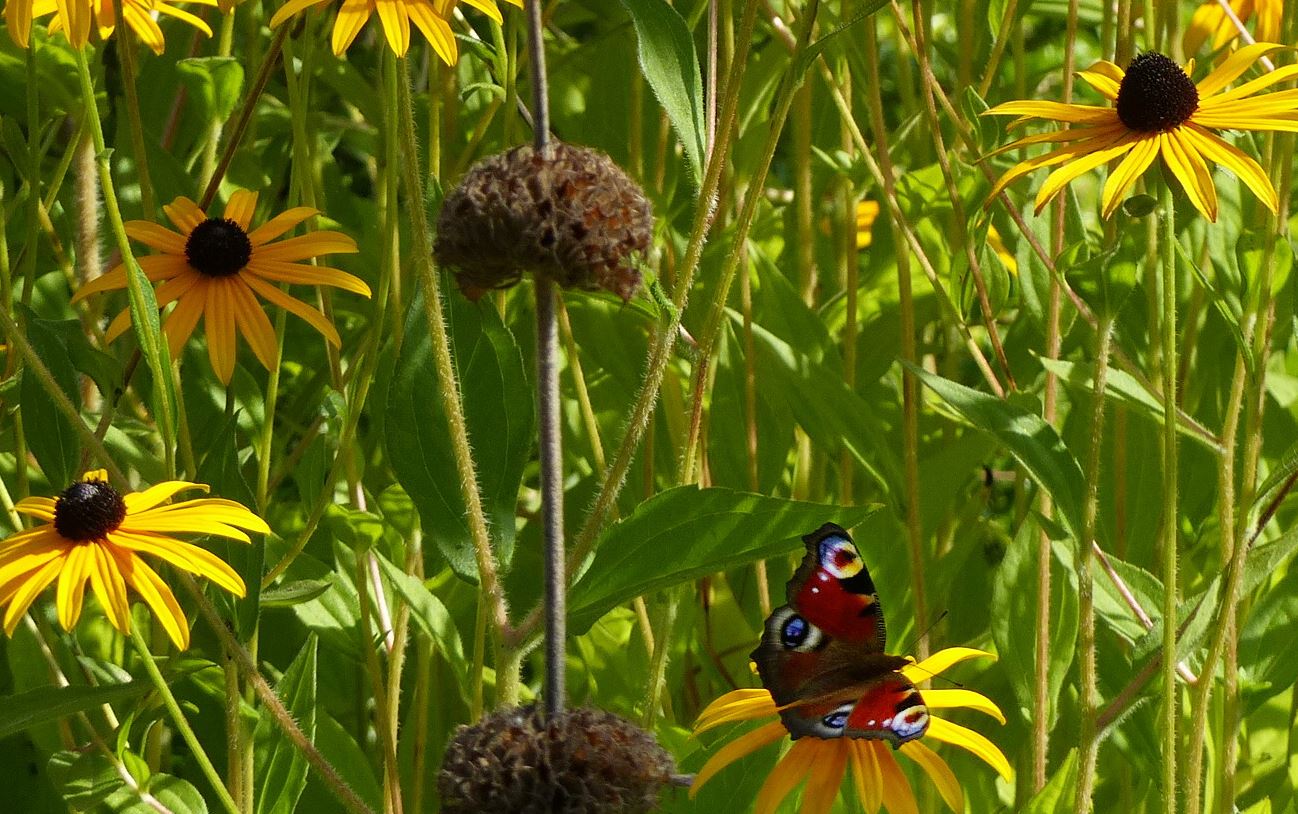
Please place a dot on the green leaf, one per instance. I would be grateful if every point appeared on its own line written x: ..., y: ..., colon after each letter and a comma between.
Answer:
x: 293, y: 593
x: 428, y: 612
x: 215, y: 81
x: 282, y: 775
x: 220, y: 470
x: 1026, y: 435
x: 1280, y: 472
x: 685, y: 533
x: 1057, y: 795
x: 498, y: 407
x: 671, y: 67
x: 50, y: 435
x: 1122, y: 388
x: 48, y: 704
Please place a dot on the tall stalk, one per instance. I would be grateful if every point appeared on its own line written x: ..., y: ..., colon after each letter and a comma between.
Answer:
x: 1169, y: 712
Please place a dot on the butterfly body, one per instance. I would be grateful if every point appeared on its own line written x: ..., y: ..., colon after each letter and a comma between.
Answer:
x: 822, y: 655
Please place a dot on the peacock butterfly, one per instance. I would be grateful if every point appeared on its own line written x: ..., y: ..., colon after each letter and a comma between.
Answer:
x: 822, y: 655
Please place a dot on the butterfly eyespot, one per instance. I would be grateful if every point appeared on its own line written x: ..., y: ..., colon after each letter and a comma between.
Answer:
x: 839, y: 557
x: 794, y: 632
x: 836, y: 719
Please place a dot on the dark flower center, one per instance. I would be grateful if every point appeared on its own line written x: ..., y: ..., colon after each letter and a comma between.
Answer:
x: 1155, y: 94
x: 88, y: 510
x: 218, y: 247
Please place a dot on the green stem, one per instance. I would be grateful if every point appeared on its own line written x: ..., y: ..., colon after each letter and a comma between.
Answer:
x: 1169, y: 713
x: 1090, y: 699
x: 126, y: 54
x: 178, y: 720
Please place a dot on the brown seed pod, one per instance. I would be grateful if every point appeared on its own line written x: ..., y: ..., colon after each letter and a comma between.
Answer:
x: 567, y: 214
x: 587, y: 761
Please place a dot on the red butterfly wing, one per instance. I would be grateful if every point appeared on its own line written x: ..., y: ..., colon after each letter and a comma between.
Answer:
x: 833, y: 590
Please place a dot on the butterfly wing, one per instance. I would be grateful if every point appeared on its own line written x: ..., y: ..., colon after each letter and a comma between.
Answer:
x: 833, y: 590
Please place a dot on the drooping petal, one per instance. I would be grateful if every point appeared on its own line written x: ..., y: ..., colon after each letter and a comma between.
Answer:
x: 26, y: 594
x: 396, y: 24
x: 72, y: 583
x: 939, y: 772
x: 176, y: 288
x: 351, y: 18
x: 734, y: 750
x: 145, y: 27
x: 180, y: 323
x: 898, y: 797
x: 294, y: 306
x: 108, y: 584
x: 1056, y: 156
x: 254, y: 325
x: 289, y: 9
x: 1235, y: 160
x: 865, y: 774
x: 736, y: 705
x: 185, y: 16
x: 961, y: 699
x: 956, y: 735
x: 1062, y: 176
x: 18, y: 19
x: 826, y: 777
x: 218, y: 319
x: 487, y: 7
x: 1191, y: 171
x: 1142, y: 154
x: 436, y: 30
x: 156, y: 594
x: 792, y: 769
x: 192, y: 558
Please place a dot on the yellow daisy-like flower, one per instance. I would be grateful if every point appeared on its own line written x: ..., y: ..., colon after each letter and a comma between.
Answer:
x: 75, y: 18
x: 93, y: 532
x: 1210, y: 21
x: 215, y: 268
x: 876, y: 775
x: 432, y: 17
x: 1158, y: 110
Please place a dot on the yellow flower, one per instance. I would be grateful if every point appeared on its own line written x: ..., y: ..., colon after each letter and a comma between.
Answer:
x: 867, y: 212
x: 74, y: 18
x: 875, y: 772
x: 1210, y: 20
x: 93, y: 532
x: 1157, y: 111
x: 430, y: 16
x: 214, y: 268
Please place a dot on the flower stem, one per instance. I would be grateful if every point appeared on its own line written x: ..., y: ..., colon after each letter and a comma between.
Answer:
x: 1169, y: 713
x: 178, y: 719
x: 126, y: 53
x: 1090, y: 701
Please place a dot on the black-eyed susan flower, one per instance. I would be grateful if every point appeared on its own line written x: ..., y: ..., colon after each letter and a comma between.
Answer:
x: 1211, y: 22
x: 76, y: 17
x: 215, y: 268
x: 876, y: 774
x: 1158, y: 110
x: 432, y: 17
x: 91, y: 532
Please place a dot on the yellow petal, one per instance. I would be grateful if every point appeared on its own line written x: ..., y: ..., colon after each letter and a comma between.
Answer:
x: 1142, y: 154
x: 27, y: 592
x: 155, y: 267
x: 961, y: 699
x: 1082, y: 165
x: 185, y: 16
x: 1233, y: 66
x: 941, y: 661
x: 1208, y: 20
x: 183, y: 555
x: 280, y: 224
x: 156, y: 495
x: 180, y: 323
x: 218, y: 319
x: 254, y: 325
x: 787, y: 774
x: 145, y: 27
x: 1056, y: 156
x: 1235, y: 160
x: 898, y: 797
x: 240, y: 207
x: 826, y: 776
x: 155, y: 236
x: 306, y: 246
x: 229, y: 512
x: 939, y: 772
x: 72, y: 583
x: 436, y: 30
x: 175, y: 288
x: 739, y: 747
x: 1191, y: 170
x: 289, y: 9
x: 156, y: 595
x: 865, y: 774
x: 1266, y: 80
x: 1056, y: 111
x: 106, y: 579
x: 1105, y: 77
x: 488, y: 8
x: 294, y: 306
x: 301, y: 274
x: 351, y: 18
x: 396, y: 25
x: 956, y: 735
x: 39, y: 507
x: 736, y: 705
x: 18, y: 19
x: 184, y: 214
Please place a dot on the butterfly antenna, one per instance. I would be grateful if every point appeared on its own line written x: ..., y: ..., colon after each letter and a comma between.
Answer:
x: 924, y: 634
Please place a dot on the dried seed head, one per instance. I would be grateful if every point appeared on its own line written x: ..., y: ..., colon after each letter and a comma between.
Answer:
x: 587, y: 761
x: 568, y: 214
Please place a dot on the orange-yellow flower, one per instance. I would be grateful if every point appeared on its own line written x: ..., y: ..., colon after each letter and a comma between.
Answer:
x: 94, y: 533
x: 215, y: 268
x: 432, y: 17
x: 1210, y: 21
x: 877, y: 776
x: 75, y: 18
